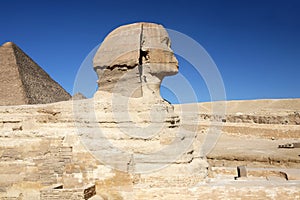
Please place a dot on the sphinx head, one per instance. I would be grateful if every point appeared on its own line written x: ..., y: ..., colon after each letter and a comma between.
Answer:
x: 133, y: 59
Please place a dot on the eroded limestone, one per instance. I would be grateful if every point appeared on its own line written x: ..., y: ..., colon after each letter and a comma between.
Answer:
x: 133, y: 59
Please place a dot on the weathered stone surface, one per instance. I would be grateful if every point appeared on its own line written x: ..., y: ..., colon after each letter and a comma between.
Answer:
x: 241, y: 171
x: 133, y: 59
x: 23, y: 81
x: 58, y: 192
x: 48, y: 151
x: 131, y: 63
x: 78, y: 96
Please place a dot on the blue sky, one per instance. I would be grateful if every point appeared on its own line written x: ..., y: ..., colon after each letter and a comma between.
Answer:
x: 255, y: 44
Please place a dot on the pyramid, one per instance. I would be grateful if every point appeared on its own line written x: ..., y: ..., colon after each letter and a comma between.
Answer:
x: 25, y: 82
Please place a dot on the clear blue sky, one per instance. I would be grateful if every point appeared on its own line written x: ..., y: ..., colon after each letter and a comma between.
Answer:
x: 255, y: 44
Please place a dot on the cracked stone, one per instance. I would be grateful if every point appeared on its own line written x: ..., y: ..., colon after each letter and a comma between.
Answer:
x: 133, y: 59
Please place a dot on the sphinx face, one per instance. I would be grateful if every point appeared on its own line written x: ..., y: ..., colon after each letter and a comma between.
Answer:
x: 133, y: 59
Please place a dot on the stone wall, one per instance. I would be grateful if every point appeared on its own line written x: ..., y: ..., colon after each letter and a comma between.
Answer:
x: 39, y: 147
x: 58, y: 192
x: 287, y: 119
x: 33, y: 160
